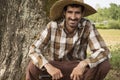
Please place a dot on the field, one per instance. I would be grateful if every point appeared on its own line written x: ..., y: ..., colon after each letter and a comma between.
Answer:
x: 112, y: 39
x: 111, y: 36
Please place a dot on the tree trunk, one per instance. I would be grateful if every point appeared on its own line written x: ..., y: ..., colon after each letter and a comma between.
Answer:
x: 20, y: 21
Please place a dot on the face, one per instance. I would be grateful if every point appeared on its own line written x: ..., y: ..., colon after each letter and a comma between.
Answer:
x: 73, y: 16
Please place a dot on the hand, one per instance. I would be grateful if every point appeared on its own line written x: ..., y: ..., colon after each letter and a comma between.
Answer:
x: 78, y: 71
x: 53, y: 71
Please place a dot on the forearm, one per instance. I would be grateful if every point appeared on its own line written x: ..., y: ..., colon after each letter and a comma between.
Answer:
x: 98, y: 57
x: 38, y: 59
x: 84, y: 63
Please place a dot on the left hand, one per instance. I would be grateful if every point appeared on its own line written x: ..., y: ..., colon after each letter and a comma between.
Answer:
x: 78, y: 71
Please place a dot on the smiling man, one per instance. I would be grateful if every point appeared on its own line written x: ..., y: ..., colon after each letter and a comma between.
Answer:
x: 67, y: 42
x: 73, y: 16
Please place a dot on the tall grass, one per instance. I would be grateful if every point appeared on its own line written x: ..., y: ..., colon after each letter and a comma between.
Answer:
x: 114, y: 73
x: 112, y: 39
x: 115, y: 60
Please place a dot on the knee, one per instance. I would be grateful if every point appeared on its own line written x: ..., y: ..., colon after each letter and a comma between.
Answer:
x: 105, y: 67
x: 32, y: 68
x: 32, y: 72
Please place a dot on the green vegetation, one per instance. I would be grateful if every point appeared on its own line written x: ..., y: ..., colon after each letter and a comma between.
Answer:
x: 115, y: 57
x: 110, y: 24
x: 114, y: 73
x: 107, y: 18
x: 112, y: 39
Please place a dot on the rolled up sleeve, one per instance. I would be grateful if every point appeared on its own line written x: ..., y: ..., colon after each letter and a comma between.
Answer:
x: 36, y: 50
x: 99, y: 50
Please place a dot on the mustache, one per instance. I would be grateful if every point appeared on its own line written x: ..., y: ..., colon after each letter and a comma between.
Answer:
x: 74, y: 19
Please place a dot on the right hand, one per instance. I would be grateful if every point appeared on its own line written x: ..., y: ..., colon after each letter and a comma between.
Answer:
x: 53, y: 71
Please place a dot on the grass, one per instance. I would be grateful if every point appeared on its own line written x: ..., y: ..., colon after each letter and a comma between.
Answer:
x: 111, y: 36
x: 112, y: 39
x: 114, y: 73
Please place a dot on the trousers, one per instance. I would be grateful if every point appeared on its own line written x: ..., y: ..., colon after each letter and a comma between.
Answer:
x: 97, y: 73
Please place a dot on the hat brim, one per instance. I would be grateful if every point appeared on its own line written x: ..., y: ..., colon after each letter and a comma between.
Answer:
x: 57, y: 9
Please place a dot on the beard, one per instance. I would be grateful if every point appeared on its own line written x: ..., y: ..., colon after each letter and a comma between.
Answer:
x: 73, y: 23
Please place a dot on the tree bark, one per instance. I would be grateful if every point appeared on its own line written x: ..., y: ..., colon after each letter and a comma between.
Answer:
x: 20, y: 22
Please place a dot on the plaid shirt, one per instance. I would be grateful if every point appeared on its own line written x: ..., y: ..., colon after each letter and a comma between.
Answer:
x: 60, y: 45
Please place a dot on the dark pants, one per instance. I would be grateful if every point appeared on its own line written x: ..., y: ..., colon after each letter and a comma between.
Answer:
x: 97, y: 73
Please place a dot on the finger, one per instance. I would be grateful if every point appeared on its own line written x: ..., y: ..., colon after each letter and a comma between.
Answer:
x: 74, y: 77
x: 71, y: 76
x: 53, y: 77
x: 57, y: 76
x: 77, y: 77
x: 61, y: 75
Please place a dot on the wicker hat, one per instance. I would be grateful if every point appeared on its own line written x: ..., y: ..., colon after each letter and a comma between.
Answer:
x: 57, y: 8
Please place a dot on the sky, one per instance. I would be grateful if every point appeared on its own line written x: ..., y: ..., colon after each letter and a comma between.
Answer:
x: 102, y: 3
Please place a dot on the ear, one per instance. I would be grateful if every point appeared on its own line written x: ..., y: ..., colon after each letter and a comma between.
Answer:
x: 63, y: 14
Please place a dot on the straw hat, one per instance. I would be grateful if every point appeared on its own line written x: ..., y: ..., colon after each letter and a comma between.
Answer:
x: 57, y: 9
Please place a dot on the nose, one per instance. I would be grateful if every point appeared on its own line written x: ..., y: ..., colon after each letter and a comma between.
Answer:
x: 73, y: 16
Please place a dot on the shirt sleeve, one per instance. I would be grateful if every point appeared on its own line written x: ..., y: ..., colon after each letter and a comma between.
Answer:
x: 38, y: 46
x: 99, y: 50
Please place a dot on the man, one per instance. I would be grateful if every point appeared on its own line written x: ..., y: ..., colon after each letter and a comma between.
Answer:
x: 67, y: 42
